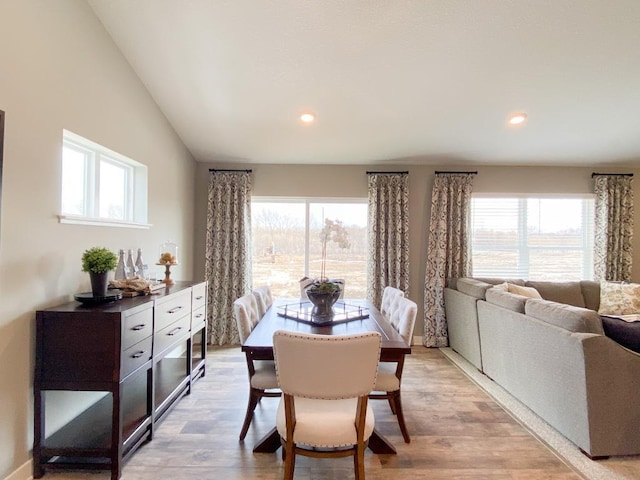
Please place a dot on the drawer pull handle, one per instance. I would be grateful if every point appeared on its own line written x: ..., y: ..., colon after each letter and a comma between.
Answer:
x: 174, y: 331
x: 138, y: 354
x: 174, y: 310
x: 139, y: 326
x: 199, y: 297
x: 199, y: 315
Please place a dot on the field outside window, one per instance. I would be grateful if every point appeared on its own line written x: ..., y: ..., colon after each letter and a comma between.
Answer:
x: 286, y: 244
x: 533, y: 238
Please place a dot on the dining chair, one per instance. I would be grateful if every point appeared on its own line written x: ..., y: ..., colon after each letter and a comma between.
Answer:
x: 325, y: 382
x: 389, y: 294
x: 262, y: 373
x: 341, y: 282
x: 389, y: 379
x: 264, y: 299
x: 304, y: 283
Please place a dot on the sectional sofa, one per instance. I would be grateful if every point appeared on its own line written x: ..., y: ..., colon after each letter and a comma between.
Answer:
x: 552, y: 354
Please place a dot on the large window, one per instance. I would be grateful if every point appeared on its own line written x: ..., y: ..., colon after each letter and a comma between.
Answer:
x: 287, y: 246
x: 101, y: 186
x: 533, y: 238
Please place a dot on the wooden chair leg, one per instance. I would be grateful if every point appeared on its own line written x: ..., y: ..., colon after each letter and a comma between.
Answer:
x: 358, y: 462
x: 400, y: 416
x: 289, y: 460
x: 254, y: 397
x: 392, y: 404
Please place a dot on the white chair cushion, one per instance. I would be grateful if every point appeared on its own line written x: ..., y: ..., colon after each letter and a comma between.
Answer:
x: 265, y: 376
x: 386, y: 381
x: 325, y: 423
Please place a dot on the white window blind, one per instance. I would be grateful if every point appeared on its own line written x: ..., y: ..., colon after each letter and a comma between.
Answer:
x: 541, y: 238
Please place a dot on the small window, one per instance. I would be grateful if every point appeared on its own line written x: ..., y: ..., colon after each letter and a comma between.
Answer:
x: 100, y: 186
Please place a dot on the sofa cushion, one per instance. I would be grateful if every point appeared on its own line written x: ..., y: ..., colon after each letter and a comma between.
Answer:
x: 560, y: 292
x: 591, y: 294
x: 510, y: 301
x: 619, y: 298
x: 473, y: 287
x: 569, y: 317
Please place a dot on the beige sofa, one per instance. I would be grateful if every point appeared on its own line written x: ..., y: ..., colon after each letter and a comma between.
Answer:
x: 553, y: 356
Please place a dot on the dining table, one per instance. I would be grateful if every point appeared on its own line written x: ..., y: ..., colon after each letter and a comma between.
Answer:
x: 351, y: 316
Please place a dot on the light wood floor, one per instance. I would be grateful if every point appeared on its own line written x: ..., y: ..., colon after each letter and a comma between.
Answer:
x: 457, y: 432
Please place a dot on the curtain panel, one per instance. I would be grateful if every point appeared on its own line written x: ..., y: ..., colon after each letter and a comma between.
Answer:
x: 228, y: 251
x: 448, y: 249
x: 388, y: 234
x: 613, y: 249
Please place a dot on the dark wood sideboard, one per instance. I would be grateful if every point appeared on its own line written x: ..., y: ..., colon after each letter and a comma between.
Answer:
x: 144, y: 352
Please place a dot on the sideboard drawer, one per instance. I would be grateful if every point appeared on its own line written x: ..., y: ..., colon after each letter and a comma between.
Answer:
x: 198, y: 319
x: 137, y: 327
x: 136, y: 356
x: 171, y: 334
x: 199, y: 295
x: 171, y: 308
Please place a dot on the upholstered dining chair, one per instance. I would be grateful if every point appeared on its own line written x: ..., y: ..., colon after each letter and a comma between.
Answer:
x: 325, y: 382
x: 389, y: 294
x: 264, y: 299
x: 262, y: 373
x: 304, y: 283
x: 389, y: 379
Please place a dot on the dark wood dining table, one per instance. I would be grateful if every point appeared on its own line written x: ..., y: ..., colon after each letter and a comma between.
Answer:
x: 259, y: 345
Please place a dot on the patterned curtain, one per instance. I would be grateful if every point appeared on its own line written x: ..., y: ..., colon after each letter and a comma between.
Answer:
x: 613, y: 249
x: 388, y: 235
x: 228, y: 251
x: 448, y: 250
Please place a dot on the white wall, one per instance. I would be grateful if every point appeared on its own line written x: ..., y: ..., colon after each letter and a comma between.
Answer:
x: 59, y: 69
x: 351, y: 181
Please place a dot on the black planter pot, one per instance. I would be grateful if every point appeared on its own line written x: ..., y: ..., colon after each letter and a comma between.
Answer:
x: 322, y: 304
x: 99, y: 284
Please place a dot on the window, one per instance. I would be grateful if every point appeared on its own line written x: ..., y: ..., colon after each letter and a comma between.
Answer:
x: 533, y: 238
x: 100, y: 186
x: 286, y: 243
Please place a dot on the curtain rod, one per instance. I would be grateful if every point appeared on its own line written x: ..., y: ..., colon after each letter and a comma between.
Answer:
x: 438, y: 172
x: 223, y: 170
x: 405, y: 172
x: 612, y: 174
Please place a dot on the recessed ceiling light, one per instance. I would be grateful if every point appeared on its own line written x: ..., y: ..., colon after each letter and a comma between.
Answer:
x: 517, y: 118
x: 308, y: 117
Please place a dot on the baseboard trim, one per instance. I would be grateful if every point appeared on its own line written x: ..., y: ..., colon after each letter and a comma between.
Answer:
x: 24, y: 472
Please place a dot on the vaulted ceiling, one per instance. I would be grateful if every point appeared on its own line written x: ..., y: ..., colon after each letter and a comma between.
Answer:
x: 390, y: 81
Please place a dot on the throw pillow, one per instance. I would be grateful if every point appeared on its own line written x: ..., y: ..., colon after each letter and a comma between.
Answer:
x: 619, y: 298
x: 503, y: 287
x: 524, y: 291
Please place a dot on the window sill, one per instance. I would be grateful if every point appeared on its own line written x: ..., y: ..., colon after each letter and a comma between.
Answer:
x: 101, y: 222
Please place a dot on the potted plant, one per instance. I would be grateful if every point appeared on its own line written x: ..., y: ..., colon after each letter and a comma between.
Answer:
x: 323, y: 293
x: 98, y: 261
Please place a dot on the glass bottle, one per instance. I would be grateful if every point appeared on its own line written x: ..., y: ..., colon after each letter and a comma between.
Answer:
x: 121, y: 269
x: 141, y: 267
x: 131, y: 267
